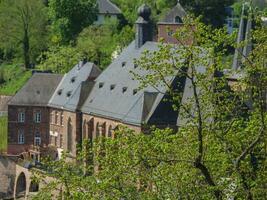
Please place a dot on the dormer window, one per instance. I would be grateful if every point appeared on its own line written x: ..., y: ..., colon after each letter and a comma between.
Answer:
x: 59, y: 92
x: 124, y: 89
x: 112, y: 87
x: 178, y: 20
x: 123, y: 64
x: 69, y: 94
x: 101, y: 85
x: 134, y: 91
x: 73, y: 79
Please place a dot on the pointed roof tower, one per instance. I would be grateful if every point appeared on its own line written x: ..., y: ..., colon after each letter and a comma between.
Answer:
x: 244, y: 34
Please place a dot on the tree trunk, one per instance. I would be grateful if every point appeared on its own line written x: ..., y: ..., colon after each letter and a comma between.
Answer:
x: 26, y: 49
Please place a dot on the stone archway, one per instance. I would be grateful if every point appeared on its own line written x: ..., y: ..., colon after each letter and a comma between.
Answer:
x: 21, y: 186
x: 34, y: 187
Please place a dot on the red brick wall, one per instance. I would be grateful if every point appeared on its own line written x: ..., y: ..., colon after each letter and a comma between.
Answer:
x: 90, y: 126
x: 164, y: 31
x: 30, y: 127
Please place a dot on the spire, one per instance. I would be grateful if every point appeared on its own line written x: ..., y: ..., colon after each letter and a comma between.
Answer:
x: 143, y: 26
x: 244, y: 33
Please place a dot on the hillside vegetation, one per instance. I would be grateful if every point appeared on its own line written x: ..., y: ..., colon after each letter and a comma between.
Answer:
x: 3, y: 133
x: 12, y: 78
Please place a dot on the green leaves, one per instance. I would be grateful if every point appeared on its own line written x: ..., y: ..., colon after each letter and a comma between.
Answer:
x: 69, y: 17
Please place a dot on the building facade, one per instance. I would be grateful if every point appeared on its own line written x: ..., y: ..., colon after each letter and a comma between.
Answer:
x: 28, y: 113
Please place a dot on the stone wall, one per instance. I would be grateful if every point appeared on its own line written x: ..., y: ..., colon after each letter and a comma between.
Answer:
x: 3, y: 104
x: 7, y: 177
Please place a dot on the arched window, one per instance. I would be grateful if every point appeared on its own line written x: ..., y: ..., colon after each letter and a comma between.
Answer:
x: 21, y: 186
x: 70, y: 139
x: 56, y: 117
x: 110, y: 131
x: 61, y: 118
x: 84, y: 136
x: 34, y: 187
x: 178, y: 20
x: 90, y: 129
x: 97, y: 129
x: 21, y: 139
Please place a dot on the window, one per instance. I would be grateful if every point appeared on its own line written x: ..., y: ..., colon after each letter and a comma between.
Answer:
x: 56, y: 117
x: 59, y: 92
x: 73, y: 79
x: 37, y: 116
x: 21, y: 139
x: 61, y: 118
x: 124, y: 89
x: 112, y: 86
x: 37, y: 139
x: 101, y: 85
x: 51, y: 117
x: 21, y: 117
x: 60, y: 140
x: 110, y: 131
x: 178, y: 20
x: 50, y: 139
x: 134, y: 91
x: 70, y: 139
x: 170, y: 33
x: 55, y: 141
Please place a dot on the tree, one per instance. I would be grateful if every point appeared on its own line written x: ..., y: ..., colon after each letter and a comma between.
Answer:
x: 59, y: 59
x: 213, y: 11
x: 105, y: 42
x: 219, y: 151
x: 69, y: 17
x: 23, y: 24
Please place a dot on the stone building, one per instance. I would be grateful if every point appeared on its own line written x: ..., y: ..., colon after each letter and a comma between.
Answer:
x: 115, y: 98
x: 65, y: 116
x: 107, y: 9
x: 28, y: 113
x: 172, y: 21
x: 87, y: 104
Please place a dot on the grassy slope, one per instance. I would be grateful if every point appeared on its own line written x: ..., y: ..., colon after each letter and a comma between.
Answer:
x: 15, y: 77
x: 3, y: 133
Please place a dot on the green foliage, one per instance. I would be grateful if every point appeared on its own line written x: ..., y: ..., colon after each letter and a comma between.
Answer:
x: 219, y: 151
x: 212, y: 10
x: 69, y: 17
x: 105, y: 42
x: 129, y: 8
x: 14, y: 77
x: 59, y: 59
x: 23, y: 28
x: 3, y: 133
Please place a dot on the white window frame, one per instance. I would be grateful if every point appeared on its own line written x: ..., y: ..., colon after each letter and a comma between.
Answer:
x: 21, y: 137
x: 21, y: 117
x: 37, y: 116
x: 37, y: 138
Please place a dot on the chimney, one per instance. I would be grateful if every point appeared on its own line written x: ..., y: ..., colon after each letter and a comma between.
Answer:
x: 143, y: 24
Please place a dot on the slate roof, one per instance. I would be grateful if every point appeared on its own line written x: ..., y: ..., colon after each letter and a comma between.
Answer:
x: 37, y: 91
x: 169, y: 18
x: 107, y: 7
x: 115, y: 94
x: 73, y: 86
